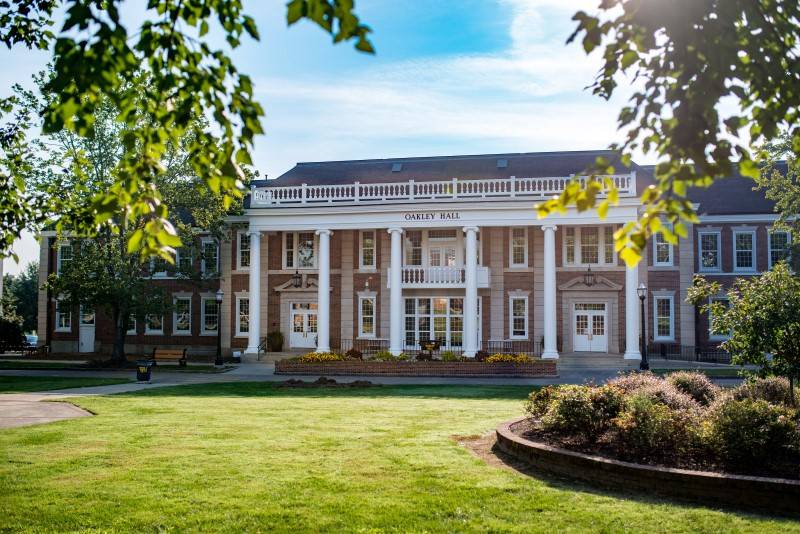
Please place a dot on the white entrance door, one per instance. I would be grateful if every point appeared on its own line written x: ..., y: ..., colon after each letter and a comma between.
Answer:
x: 303, y: 325
x: 590, y: 332
x: 86, y: 330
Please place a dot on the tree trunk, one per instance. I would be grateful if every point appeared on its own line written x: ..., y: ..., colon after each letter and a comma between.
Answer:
x: 791, y: 390
x: 120, y: 331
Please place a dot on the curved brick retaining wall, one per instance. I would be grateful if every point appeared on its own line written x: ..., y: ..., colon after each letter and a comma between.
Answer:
x: 767, y: 495
x: 540, y: 368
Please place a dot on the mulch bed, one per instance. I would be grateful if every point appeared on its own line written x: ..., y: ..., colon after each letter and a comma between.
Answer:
x: 323, y: 382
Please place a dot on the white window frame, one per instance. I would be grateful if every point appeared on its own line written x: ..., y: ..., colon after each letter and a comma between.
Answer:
x: 711, y: 336
x: 511, y: 262
x: 180, y: 255
x: 240, y: 236
x: 770, y: 263
x: 511, y: 299
x: 361, y: 333
x: 361, y: 235
x: 60, y: 259
x: 203, y: 267
x: 700, y: 267
x: 148, y: 331
x: 601, y: 247
x: 753, y: 268
x: 657, y: 297
x: 131, y: 326
x: 68, y: 314
x: 239, y: 300
x: 671, y: 259
x: 203, y: 301
x: 158, y: 274
x: 295, y: 251
x: 175, y: 331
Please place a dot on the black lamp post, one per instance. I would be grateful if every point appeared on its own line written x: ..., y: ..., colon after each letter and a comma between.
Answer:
x: 218, y: 360
x: 588, y: 278
x: 642, y: 292
x: 297, y: 279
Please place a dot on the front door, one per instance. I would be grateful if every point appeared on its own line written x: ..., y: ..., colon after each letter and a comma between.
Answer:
x: 86, y: 330
x: 590, y: 328
x: 303, y: 325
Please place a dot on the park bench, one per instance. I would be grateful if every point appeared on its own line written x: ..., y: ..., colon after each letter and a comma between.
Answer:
x: 170, y: 355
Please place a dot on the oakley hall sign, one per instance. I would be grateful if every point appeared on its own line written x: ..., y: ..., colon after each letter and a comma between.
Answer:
x: 432, y: 216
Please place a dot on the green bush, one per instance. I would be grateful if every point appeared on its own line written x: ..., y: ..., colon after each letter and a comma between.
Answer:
x: 275, y: 341
x: 695, y: 384
x: 450, y: 356
x: 752, y: 432
x: 773, y: 389
x: 386, y: 356
x: 353, y: 354
x: 539, y: 401
x: 656, y: 388
x: 582, y: 411
x: 647, y: 429
x: 316, y: 357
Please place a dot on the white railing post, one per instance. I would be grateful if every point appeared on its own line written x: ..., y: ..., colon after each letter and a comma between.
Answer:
x: 455, y: 188
x: 303, y: 193
x: 632, y: 187
x: 357, y: 192
x: 411, y: 192
x: 513, y: 186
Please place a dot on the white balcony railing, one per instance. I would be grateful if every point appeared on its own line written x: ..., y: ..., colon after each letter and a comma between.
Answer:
x: 411, y: 191
x: 438, y: 277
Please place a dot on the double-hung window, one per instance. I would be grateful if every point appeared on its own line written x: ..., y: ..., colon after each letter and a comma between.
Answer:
x: 131, y: 325
x: 367, y: 250
x: 518, y: 317
x: 153, y: 324
x: 209, y: 263
x: 210, y: 316
x: 182, y: 316
x: 589, y: 245
x: 63, y: 317
x: 662, y: 251
x: 158, y: 267
x: 519, y: 247
x: 366, y: 316
x: 744, y: 250
x: 243, y: 248
x: 183, y: 259
x: 64, y: 254
x: 413, y: 246
x: 242, y: 316
x: 779, y: 246
x: 712, y: 335
x: 709, y: 244
x: 663, y: 318
x: 299, y: 250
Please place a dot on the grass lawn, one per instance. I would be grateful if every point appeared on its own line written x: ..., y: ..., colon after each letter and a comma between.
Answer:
x: 254, y: 457
x: 16, y: 384
x: 80, y: 366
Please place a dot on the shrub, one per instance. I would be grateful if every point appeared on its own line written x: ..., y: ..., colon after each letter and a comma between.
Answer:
x: 582, y: 411
x: 696, y: 385
x: 657, y: 389
x: 450, y: 356
x: 752, y: 432
x: 353, y: 354
x: 315, y: 357
x: 386, y: 356
x: 481, y: 355
x: 649, y: 429
x: 275, y: 341
x: 539, y: 400
x: 773, y: 389
x: 509, y: 358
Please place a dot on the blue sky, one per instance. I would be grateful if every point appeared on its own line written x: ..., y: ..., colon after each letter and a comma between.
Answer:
x: 449, y: 77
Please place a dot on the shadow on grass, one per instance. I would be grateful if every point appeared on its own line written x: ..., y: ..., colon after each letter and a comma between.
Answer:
x: 274, y: 389
x: 611, y: 490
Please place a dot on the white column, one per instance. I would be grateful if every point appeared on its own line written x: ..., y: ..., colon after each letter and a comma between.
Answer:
x: 471, y: 293
x: 254, y: 294
x: 324, y: 292
x: 396, y: 293
x: 550, y: 331
x: 632, y: 314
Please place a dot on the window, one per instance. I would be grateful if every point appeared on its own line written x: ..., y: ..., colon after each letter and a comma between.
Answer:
x: 210, y: 313
x: 298, y: 251
x: 744, y: 244
x: 183, y: 259
x: 209, y: 259
x: 367, y: 255
x: 158, y: 267
x: 182, y: 316
x: 779, y: 247
x: 64, y: 256
x: 243, y: 257
x: 589, y: 245
x: 518, y: 308
x: 519, y: 247
x: 709, y: 251
x: 63, y: 317
x: 243, y: 316
x: 414, y: 247
x: 442, y: 235
x: 131, y: 325
x: 366, y: 317
x: 662, y: 251
x: 153, y: 324
x: 711, y: 334
x: 663, y: 309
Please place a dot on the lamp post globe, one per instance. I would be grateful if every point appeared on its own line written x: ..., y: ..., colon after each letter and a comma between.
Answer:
x: 219, y: 296
x: 641, y: 291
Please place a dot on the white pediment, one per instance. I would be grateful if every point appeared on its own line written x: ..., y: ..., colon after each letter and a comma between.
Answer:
x: 306, y: 284
x: 601, y: 283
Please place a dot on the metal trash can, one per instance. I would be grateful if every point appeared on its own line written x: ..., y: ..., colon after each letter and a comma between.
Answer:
x: 144, y: 370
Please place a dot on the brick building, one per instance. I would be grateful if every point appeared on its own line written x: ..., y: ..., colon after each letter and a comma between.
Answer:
x: 389, y: 252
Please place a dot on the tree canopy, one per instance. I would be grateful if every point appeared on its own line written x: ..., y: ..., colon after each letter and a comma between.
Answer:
x: 22, y: 292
